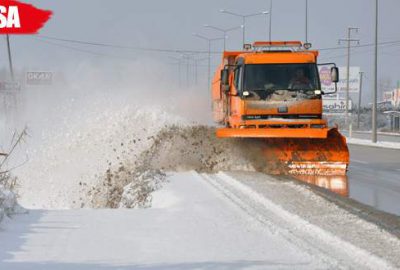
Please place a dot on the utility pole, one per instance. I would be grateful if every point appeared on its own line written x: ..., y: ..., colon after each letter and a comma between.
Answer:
x: 349, y: 40
x: 187, y: 57
x: 375, y: 91
x: 10, y: 58
x: 359, y: 100
x: 270, y: 21
x: 306, y: 21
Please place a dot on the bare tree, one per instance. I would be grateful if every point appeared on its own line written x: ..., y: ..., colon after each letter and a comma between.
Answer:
x: 6, y: 178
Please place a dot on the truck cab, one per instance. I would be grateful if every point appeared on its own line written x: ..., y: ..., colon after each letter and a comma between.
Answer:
x: 271, y: 89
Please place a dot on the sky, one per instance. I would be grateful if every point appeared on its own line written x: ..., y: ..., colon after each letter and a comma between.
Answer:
x: 170, y: 25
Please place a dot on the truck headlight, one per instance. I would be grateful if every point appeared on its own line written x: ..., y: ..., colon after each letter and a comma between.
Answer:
x: 318, y: 92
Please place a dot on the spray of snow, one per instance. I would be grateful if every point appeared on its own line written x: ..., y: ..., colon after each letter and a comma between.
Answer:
x: 175, y: 148
x: 98, y: 141
x: 8, y: 202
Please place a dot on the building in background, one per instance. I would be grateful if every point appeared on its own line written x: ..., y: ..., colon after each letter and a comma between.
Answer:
x: 392, y: 97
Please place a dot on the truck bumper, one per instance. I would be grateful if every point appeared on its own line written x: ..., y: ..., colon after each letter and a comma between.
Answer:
x: 316, y: 133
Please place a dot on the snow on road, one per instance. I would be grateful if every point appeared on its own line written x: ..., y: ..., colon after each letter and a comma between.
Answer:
x: 194, y: 223
x: 382, y: 144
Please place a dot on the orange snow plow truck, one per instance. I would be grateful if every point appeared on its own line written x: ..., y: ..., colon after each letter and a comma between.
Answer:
x: 272, y: 91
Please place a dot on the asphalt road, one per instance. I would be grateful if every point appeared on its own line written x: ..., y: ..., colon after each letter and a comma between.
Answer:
x: 374, y: 177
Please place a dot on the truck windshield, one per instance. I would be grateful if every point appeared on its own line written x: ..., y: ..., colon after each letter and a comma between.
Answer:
x: 281, y: 76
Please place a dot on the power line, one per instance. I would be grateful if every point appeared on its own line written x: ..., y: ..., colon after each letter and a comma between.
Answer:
x: 369, y: 51
x: 46, y: 39
x: 360, y: 45
x: 80, y: 50
x: 180, y: 51
x: 348, y: 40
x: 92, y: 52
x: 108, y: 45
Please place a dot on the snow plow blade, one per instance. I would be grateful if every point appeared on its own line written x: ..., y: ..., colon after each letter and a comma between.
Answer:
x: 303, y: 151
x: 329, y: 156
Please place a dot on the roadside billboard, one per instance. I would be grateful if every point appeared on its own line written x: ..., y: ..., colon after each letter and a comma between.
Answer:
x: 39, y: 78
x: 335, y: 106
x: 328, y: 86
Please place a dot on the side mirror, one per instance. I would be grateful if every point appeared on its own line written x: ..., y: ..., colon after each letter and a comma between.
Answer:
x: 334, y: 74
x: 225, y: 77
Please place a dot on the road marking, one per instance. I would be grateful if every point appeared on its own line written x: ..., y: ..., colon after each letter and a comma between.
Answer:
x: 358, y: 161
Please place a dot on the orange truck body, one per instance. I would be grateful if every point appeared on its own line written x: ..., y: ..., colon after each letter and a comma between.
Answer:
x: 297, y: 135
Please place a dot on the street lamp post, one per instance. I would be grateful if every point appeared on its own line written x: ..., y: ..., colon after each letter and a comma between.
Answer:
x: 224, y: 31
x: 244, y: 19
x: 306, y: 21
x: 209, y: 40
x: 375, y: 87
x: 10, y: 58
x: 270, y: 21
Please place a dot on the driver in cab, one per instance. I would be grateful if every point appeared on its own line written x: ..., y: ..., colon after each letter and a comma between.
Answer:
x: 300, y: 81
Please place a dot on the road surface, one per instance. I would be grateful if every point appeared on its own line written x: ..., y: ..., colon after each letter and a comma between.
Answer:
x: 374, y: 177
x: 199, y: 222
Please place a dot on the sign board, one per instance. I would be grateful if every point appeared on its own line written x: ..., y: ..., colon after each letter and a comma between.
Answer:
x: 337, y: 96
x: 333, y: 96
x: 328, y: 86
x: 335, y: 106
x: 9, y: 86
x: 39, y: 78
